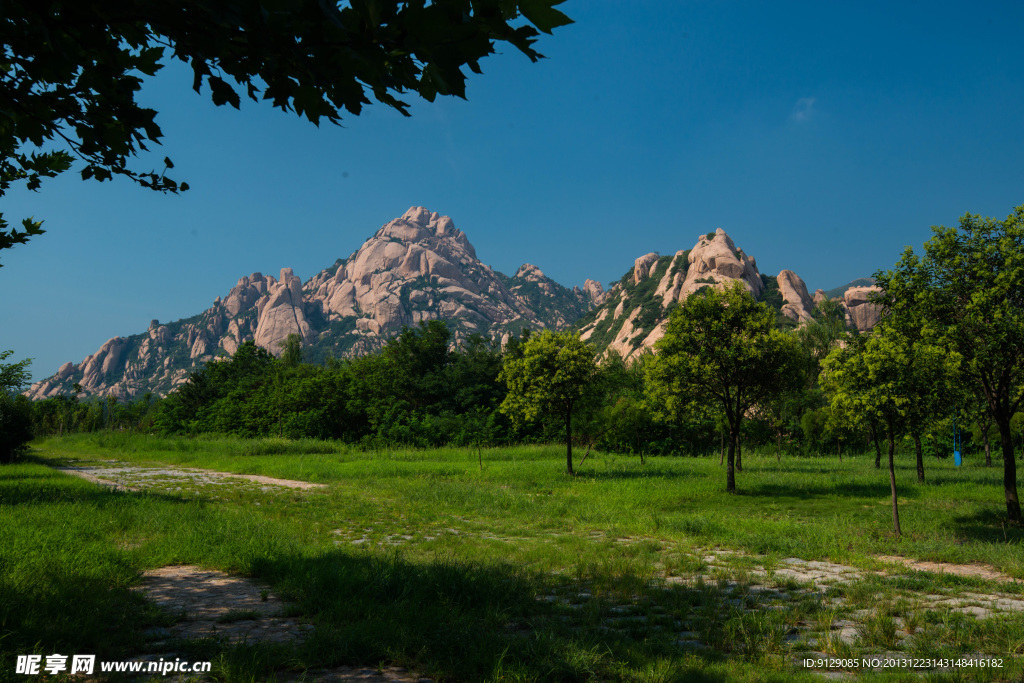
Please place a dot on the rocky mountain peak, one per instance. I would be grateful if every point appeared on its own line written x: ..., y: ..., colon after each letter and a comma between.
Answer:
x: 593, y: 290
x: 416, y: 267
x: 530, y: 273
x: 421, y: 226
x: 633, y: 314
x: 716, y: 260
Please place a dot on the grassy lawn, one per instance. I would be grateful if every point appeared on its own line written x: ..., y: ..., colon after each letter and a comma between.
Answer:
x: 508, y: 570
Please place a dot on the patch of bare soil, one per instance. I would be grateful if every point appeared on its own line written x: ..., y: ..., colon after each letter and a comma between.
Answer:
x: 977, y: 571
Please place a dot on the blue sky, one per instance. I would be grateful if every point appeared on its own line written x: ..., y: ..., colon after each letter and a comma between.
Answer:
x: 822, y: 136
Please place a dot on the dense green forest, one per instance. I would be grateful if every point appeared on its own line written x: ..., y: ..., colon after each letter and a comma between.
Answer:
x: 421, y: 390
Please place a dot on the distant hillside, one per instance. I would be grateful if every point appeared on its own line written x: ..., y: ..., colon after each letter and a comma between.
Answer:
x: 840, y: 291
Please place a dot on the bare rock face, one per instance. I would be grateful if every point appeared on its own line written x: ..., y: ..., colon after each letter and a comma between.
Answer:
x: 243, y: 295
x: 860, y: 312
x: 718, y: 262
x: 713, y: 262
x: 643, y: 265
x: 594, y: 292
x: 282, y: 314
x: 415, y: 268
x: 798, y: 304
x: 418, y: 267
x: 819, y: 296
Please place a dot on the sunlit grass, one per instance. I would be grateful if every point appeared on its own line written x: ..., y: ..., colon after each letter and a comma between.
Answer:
x: 428, y: 559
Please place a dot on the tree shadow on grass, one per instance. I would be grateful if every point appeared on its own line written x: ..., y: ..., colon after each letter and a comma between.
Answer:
x: 57, y: 487
x: 989, y: 526
x: 844, y: 489
x: 75, y: 613
x: 465, y: 621
x: 639, y: 474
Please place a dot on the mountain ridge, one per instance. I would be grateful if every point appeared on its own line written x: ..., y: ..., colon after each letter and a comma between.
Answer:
x: 636, y: 308
x: 419, y: 267
x: 415, y: 268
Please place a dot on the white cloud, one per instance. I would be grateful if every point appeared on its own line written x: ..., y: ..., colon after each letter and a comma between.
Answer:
x: 803, y: 110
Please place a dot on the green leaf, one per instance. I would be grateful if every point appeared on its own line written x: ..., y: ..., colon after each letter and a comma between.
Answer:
x: 222, y: 92
x: 543, y: 15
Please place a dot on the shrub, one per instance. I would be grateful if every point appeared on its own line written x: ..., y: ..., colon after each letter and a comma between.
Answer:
x: 15, y: 426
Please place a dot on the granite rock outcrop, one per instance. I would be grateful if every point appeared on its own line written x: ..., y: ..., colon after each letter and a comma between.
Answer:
x: 635, y: 310
x: 860, y: 311
x: 798, y: 305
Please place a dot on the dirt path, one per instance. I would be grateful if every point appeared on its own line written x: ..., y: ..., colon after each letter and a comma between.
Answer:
x: 977, y: 571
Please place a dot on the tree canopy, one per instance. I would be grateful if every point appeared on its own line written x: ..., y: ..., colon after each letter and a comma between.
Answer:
x: 967, y: 292
x: 555, y: 374
x: 15, y: 411
x: 725, y: 348
x: 70, y: 71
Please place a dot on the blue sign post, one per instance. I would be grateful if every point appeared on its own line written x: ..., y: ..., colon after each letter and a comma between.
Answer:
x: 957, y: 443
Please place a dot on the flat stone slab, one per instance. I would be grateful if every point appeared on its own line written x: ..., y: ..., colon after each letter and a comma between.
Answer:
x: 815, y: 571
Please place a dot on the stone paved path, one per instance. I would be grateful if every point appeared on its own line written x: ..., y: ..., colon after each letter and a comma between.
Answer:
x: 212, y: 604
x: 137, y: 478
x: 835, y: 630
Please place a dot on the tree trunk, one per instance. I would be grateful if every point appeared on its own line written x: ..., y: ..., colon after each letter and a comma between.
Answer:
x: 1009, y: 472
x: 892, y: 484
x: 988, y: 450
x: 721, y: 458
x: 878, y: 446
x: 840, y: 450
x: 730, y: 470
x: 920, y: 458
x: 568, y: 442
x: 778, y: 447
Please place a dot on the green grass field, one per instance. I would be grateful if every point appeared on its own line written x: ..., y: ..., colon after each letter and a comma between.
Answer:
x: 497, y: 566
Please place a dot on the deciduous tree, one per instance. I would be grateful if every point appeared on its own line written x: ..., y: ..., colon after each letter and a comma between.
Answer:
x: 555, y: 375
x: 723, y: 347
x: 15, y: 411
x: 967, y: 290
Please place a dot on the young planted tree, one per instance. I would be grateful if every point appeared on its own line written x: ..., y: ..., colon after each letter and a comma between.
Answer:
x: 854, y: 386
x: 723, y: 346
x: 982, y: 432
x: 967, y: 292
x: 555, y: 375
x: 894, y: 379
